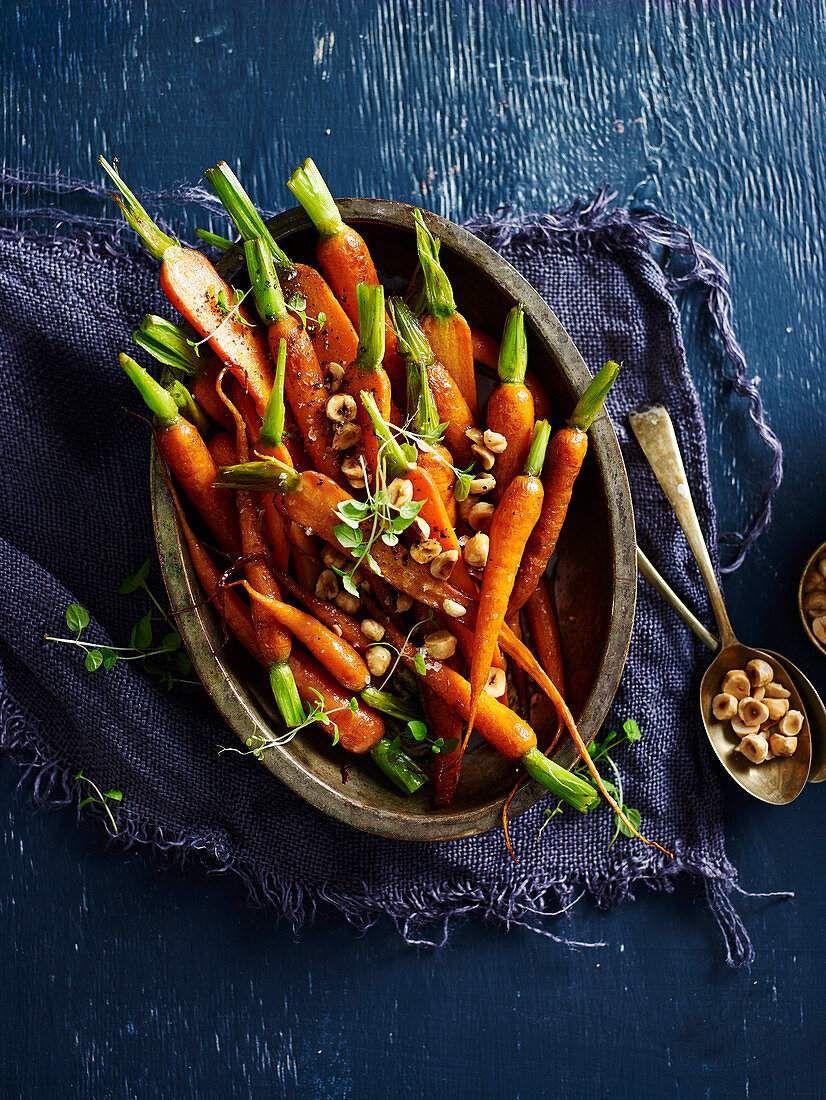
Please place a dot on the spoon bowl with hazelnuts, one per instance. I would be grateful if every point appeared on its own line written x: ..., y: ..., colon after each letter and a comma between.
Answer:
x: 750, y: 708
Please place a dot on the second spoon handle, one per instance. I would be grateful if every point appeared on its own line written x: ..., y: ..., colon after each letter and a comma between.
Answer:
x: 652, y: 426
x: 657, y: 581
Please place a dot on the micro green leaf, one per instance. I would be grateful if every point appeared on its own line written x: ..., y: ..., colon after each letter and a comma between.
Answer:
x: 418, y: 730
x: 183, y: 663
x: 419, y: 665
x: 632, y: 730
x: 142, y: 632
x: 136, y: 580
x: 354, y: 704
x: 77, y: 617
x: 633, y: 816
x: 171, y: 642
x: 110, y: 658
x: 94, y: 659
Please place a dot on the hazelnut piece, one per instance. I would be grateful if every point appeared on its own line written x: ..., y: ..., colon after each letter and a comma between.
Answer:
x: 724, y: 706
x: 736, y: 683
x: 752, y: 712
x: 791, y: 724
x: 759, y: 672
x: 783, y: 746
x: 755, y: 747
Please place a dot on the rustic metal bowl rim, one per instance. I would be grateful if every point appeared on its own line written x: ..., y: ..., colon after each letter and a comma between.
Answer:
x: 803, y: 616
x: 337, y: 803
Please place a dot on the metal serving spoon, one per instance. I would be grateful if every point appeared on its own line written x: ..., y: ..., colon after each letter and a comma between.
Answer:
x: 815, y: 709
x: 780, y: 780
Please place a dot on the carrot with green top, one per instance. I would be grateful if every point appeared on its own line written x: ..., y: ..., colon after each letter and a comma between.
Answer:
x: 366, y: 375
x: 333, y: 336
x: 339, y: 658
x: 566, y: 453
x: 445, y: 328
x: 180, y: 444
x: 202, y: 297
x: 513, y: 521
x: 510, y: 411
x: 304, y: 386
x: 433, y: 458
x: 504, y: 730
x: 453, y: 410
x: 342, y: 254
x: 357, y: 730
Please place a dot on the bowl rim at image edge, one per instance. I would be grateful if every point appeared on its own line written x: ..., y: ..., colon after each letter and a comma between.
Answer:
x: 603, y: 443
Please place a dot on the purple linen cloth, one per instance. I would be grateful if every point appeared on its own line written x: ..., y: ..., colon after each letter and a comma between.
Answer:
x: 75, y: 519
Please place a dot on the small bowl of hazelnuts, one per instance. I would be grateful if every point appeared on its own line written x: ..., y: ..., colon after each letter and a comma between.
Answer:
x: 811, y: 597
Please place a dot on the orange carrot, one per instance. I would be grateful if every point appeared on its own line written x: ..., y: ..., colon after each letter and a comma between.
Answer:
x: 227, y: 603
x: 181, y: 445
x: 222, y: 449
x: 485, y: 348
x: 202, y: 297
x: 335, y: 340
x: 337, y: 655
x: 447, y: 724
x: 510, y: 410
x: 342, y: 254
x: 446, y: 329
x: 357, y: 731
x: 513, y: 521
x: 566, y: 453
x: 366, y: 373
x: 541, y: 616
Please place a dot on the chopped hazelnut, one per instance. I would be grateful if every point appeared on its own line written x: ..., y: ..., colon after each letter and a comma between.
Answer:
x: 326, y: 587
x: 440, y: 645
x: 752, y: 712
x: 378, y: 658
x: 481, y: 485
x: 741, y: 728
x: 400, y: 491
x: 495, y: 442
x: 759, y: 672
x: 497, y: 683
x: 425, y: 551
x: 348, y: 602
x: 776, y: 691
x: 480, y: 516
x: 755, y: 747
x: 724, y: 706
x: 372, y: 630
x: 336, y: 373
x: 442, y: 565
x: 736, y: 683
x: 346, y: 436
x: 776, y: 708
x: 782, y: 746
x: 453, y: 608
x: 341, y: 407
x: 484, y: 454
x: 476, y: 550
x: 791, y: 723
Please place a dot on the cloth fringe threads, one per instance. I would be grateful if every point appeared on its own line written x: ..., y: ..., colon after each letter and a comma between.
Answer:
x: 422, y: 913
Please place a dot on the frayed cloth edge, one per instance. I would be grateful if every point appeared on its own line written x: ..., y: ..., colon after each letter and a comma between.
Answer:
x: 423, y: 916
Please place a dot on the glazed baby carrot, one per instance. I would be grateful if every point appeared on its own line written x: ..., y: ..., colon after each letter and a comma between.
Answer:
x: 445, y: 328
x: 342, y: 254
x: 357, y: 730
x: 566, y: 453
x: 227, y: 603
x: 544, y: 628
x: 180, y: 444
x: 497, y: 723
x: 202, y: 297
x: 447, y: 724
x: 366, y: 375
x: 304, y: 381
x: 453, y: 409
x: 485, y: 348
x: 333, y: 336
x: 222, y: 448
x: 513, y: 521
x: 434, y: 458
x: 338, y: 656
x: 510, y: 411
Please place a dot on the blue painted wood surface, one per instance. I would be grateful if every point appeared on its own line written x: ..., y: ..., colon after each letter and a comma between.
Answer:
x: 121, y: 980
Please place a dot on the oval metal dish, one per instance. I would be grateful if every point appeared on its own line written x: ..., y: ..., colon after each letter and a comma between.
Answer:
x: 595, y: 575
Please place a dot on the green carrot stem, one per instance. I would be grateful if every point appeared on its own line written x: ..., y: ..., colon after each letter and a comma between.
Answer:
x: 157, y: 243
x: 272, y: 426
x: 413, y: 344
x: 308, y: 186
x: 265, y: 286
x: 390, y: 704
x: 513, y: 351
x: 397, y: 464
x: 240, y: 208
x: 188, y: 406
x: 216, y: 240
x: 267, y: 474
x: 592, y: 400
x: 571, y: 788
x: 398, y: 766
x: 370, y: 301
x: 426, y: 423
x: 160, y: 403
x: 539, y: 445
x: 166, y: 343
x: 286, y: 694
x: 437, y: 289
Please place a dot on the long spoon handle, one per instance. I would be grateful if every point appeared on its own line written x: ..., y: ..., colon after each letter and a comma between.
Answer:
x: 667, y: 592
x: 652, y: 426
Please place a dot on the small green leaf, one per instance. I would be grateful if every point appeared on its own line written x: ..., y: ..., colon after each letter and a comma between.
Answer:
x: 389, y: 538
x: 353, y: 512
x: 116, y: 796
x: 632, y: 730
x: 77, y: 617
x: 136, y: 581
x: 395, y: 744
x: 411, y: 509
x: 419, y: 665
x: 335, y: 732
x: 322, y: 318
x: 94, y: 659
x: 450, y: 744
x: 348, y: 536
x: 418, y: 730
x: 142, y: 632
x: 349, y: 585
x: 410, y: 453
x: 461, y: 489
x: 110, y: 658
x: 634, y: 816
x: 354, y: 704
x: 171, y: 641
